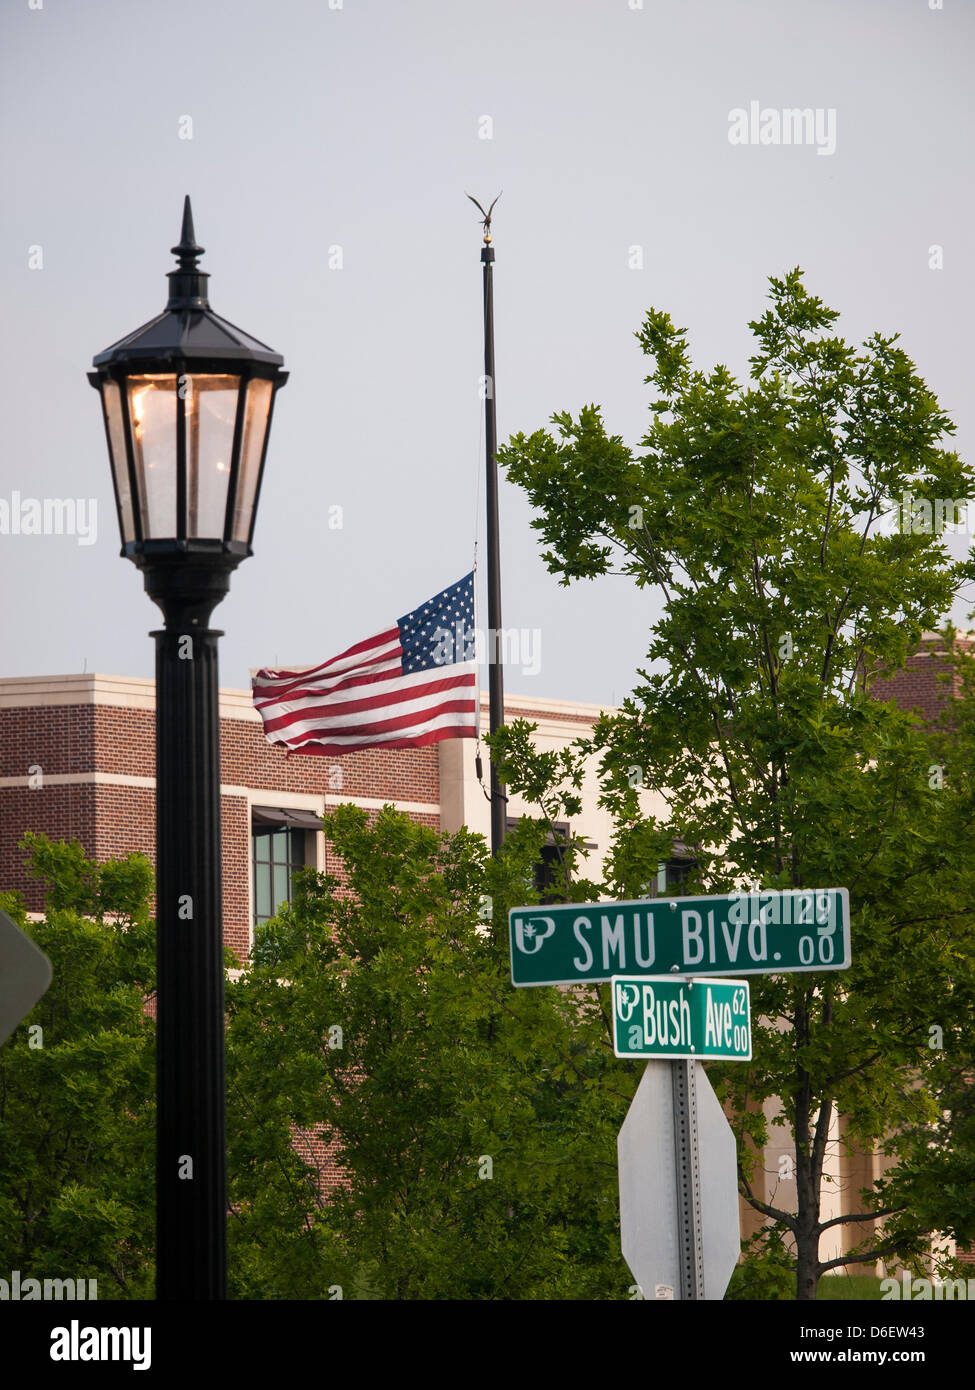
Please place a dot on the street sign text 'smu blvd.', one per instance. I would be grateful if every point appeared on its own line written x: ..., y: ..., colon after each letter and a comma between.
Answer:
x: 763, y: 933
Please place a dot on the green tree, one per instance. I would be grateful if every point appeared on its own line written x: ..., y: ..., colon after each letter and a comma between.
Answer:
x: 761, y: 515
x: 475, y: 1124
x: 77, y: 1084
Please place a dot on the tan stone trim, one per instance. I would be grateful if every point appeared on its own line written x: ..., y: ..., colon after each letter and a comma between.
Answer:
x: 376, y: 803
x: 137, y: 692
x: 306, y: 801
x: 70, y: 779
x: 254, y: 796
x: 239, y: 704
x: 133, y: 692
x: 563, y: 730
x: 537, y: 702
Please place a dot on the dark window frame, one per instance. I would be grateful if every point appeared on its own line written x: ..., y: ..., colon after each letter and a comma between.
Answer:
x: 293, y: 858
x: 548, y: 869
x: 673, y: 873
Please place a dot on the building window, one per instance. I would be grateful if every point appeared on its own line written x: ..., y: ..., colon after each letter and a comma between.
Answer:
x: 283, y: 840
x: 672, y: 875
x: 279, y: 850
x: 549, y: 874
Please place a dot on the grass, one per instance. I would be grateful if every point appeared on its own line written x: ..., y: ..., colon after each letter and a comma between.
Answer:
x: 849, y: 1286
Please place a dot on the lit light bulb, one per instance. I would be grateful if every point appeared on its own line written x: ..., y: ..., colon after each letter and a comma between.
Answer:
x: 138, y: 405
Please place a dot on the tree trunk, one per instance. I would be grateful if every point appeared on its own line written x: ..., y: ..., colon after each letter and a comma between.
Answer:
x: 807, y: 1177
x: 807, y: 1226
x: 807, y: 1265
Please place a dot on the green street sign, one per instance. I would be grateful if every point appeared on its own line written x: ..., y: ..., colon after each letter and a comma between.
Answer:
x: 738, y: 934
x: 666, y: 1016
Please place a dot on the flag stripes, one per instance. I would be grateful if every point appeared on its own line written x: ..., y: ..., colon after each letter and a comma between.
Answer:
x: 406, y: 687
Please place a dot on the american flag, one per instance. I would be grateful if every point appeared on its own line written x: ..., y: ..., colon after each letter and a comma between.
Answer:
x: 410, y: 685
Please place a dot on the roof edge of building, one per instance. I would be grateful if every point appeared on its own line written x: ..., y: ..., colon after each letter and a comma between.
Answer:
x: 139, y: 692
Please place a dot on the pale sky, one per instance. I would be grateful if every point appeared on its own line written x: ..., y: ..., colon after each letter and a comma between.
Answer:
x: 360, y: 127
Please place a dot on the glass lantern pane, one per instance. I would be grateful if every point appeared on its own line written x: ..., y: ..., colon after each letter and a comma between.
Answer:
x: 251, y: 448
x: 211, y: 409
x: 152, y: 411
x: 112, y: 398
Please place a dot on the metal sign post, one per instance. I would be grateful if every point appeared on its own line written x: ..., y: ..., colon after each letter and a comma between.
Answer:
x: 687, y: 1159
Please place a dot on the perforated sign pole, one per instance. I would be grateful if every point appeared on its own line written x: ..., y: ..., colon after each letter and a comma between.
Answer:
x: 687, y: 1157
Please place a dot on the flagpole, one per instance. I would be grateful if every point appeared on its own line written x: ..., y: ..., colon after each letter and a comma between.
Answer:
x: 495, y: 646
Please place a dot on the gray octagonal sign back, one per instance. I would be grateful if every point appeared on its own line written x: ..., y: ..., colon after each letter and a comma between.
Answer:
x: 25, y: 973
x: 651, y: 1187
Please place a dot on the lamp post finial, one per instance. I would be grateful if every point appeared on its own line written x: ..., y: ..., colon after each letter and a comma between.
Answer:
x: 187, y: 283
x: 188, y: 251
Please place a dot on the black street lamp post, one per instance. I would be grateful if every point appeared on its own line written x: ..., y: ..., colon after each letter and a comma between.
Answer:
x: 187, y: 402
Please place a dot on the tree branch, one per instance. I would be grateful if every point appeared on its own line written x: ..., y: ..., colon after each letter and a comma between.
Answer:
x: 860, y: 1216
x: 786, y: 1218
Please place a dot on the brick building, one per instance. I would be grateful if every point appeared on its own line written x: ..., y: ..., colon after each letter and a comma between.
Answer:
x: 77, y: 761
x: 928, y: 681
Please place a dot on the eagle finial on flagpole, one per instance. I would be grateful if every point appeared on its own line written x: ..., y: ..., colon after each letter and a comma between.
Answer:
x: 486, y: 224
